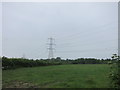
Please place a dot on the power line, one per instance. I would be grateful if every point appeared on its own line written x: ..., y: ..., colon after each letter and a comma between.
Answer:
x: 84, y: 33
x: 83, y: 43
x: 88, y: 50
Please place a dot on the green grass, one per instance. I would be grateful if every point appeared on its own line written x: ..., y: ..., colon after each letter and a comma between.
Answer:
x: 59, y: 76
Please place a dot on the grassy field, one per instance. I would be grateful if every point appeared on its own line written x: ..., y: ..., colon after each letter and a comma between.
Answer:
x: 59, y: 76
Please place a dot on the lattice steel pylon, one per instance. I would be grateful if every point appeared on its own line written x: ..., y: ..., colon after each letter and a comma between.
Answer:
x: 51, y: 49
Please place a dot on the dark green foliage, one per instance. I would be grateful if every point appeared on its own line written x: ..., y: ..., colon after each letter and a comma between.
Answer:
x: 12, y: 63
x: 90, y: 61
x: 115, y: 71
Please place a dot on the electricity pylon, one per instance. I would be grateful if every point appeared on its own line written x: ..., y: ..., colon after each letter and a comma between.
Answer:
x: 51, y: 49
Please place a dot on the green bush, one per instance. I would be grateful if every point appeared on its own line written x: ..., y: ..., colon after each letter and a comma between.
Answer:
x: 115, y: 71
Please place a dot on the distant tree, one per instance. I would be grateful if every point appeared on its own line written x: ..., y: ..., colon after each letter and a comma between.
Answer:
x: 58, y: 58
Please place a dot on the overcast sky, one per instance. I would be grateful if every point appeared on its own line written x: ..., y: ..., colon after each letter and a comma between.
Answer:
x: 79, y: 29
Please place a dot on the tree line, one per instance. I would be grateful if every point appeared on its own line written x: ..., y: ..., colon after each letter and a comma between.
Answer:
x: 12, y: 63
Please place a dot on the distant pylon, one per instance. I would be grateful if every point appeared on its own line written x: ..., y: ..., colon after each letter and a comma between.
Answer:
x: 23, y: 56
x: 50, y: 48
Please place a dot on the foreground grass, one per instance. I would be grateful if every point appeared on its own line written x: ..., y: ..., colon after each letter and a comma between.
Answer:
x: 60, y: 76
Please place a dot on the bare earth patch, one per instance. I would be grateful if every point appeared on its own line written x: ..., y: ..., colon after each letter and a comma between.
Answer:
x: 20, y: 84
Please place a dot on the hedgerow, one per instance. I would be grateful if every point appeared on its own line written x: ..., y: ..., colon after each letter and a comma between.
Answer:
x: 12, y: 63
